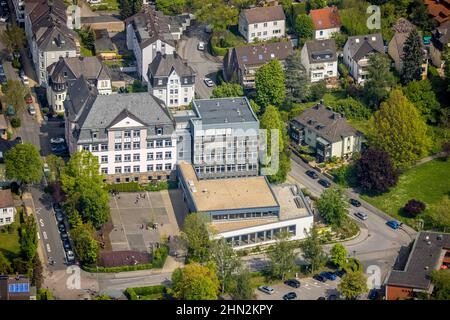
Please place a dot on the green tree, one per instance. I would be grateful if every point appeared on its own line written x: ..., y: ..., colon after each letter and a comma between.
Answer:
x: 304, y: 27
x: 312, y: 250
x: 56, y: 165
x: 196, y: 235
x: 421, y: 94
x: 241, y: 286
x: 338, y: 255
x: 255, y: 107
x: 216, y: 13
x: 195, y: 282
x: 12, y: 38
x: 137, y: 6
x: 281, y: 256
x: 28, y: 238
x: 37, y: 277
x: 45, y: 294
x: 228, y: 90
x: 83, y: 184
x: 440, y: 215
x: 15, y: 92
x: 441, y: 281
x: 419, y: 15
x: 5, y: 265
x: 380, y: 80
x: 23, y: 164
x: 352, y: 285
x: 316, y: 4
x: 125, y: 9
x: 412, y: 58
x: 333, y: 205
x: 297, y: 82
x: 171, y: 7
x: 84, y: 243
x: 398, y: 129
x: 270, y: 87
x: 226, y: 261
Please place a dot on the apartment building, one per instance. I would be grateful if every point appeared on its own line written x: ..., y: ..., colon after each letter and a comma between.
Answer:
x: 326, y: 22
x: 171, y: 80
x: 262, y: 23
x: 320, y: 59
x: 67, y: 70
x: 131, y: 134
x: 7, y: 208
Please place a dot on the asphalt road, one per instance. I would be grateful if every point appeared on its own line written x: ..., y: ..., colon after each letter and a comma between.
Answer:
x: 202, y: 62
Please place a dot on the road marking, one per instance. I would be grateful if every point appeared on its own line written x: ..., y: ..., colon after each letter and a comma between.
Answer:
x: 44, y: 234
x: 41, y: 221
x: 48, y: 248
x: 38, y: 210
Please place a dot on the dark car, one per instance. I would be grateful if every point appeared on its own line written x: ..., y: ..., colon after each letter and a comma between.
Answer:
x: 290, y: 296
x: 320, y: 278
x: 66, y: 245
x: 59, y: 216
x: 355, y: 203
x: 56, y: 206
x: 312, y: 174
x: 324, y: 183
x: 294, y: 283
x: 64, y: 236
x: 59, y: 149
x: 332, y: 297
x: 340, y: 273
x: 373, y: 294
x: 61, y: 227
x: 19, y: 140
x: 329, y: 275
x: 321, y: 298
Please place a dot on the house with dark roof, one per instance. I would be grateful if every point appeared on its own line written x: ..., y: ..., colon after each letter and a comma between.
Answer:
x: 171, y: 80
x: 130, y: 134
x: 67, y: 70
x: 320, y: 59
x: 7, y: 208
x: 430, y: 251
x: 262, y: 23
x: 357, y: 51
x: 241, y: 63
x: 439, y: 10
x: 326, y: 22
x: 328, y: 132
x: 440, y: 40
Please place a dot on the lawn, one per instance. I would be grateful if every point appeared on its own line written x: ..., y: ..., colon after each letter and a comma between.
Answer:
x: 9, y: 242
x: 106, y: 5
x: 429, y: 183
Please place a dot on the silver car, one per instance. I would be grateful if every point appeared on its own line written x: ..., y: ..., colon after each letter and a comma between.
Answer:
x: 266, y: 289
x: 70, y: 256
x: 361, y: 215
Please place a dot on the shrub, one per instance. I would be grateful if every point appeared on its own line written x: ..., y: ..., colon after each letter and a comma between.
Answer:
x: 9, y: 135
x: 414, y: 207
x: 15, y: 122
x: 16, y: 64
x: 137, y: 293
x: 45, y: 110
x: 159, y: 256
x: 163, y: 185
x: 345, y: 175
x: 60, y: 116
x: 125, y: 187
x: 307, y: 157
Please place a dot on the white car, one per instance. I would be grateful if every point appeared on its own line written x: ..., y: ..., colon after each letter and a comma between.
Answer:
x: 95, y: 1
x: 32, y: 110
x: 361, y: 215
x: 57, y: 140
x: 209, y: 82
x: 266, y: 289
x: 25, y: 80
x: 70, y: 256
x: 201, y: 46
x: 46, y: 168
x: 4, y: 18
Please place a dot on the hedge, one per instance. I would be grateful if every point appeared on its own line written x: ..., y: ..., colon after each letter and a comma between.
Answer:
x: 136, y: 187
x: 133, y: 293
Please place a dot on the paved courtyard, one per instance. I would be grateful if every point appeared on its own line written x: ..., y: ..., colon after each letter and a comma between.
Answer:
x: 131, y: 212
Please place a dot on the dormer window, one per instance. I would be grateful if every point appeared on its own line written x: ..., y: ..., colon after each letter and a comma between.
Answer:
x: 159, y: 131
x: 65, y: 74
x: 94, y: 135
x: 160, y: 82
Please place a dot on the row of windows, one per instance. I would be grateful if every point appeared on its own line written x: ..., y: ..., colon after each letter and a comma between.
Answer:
x: 128, y: 145
x: 227, y: 168
x: 137, y: 157
x: 173, y: 81
x: 7, y: 220
x: 136, y: 179
x: 229, y: 142
x: 248, y: 215
x: 137, y: 169
x: 258, y: 237
x: 264, y: 33
x: 208, y: 157
x: 275, y: 23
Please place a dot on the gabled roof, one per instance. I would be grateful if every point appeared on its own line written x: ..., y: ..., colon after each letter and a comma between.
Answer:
x: 124, y: 115
x: 264, y: 14
x: 259, y: 54
x: 57, y: 37
x: 325, y: 18
x: 360, y: 46
x: 163, y: 65
x: 439, y: 10
x: 442, y: 34
x: 6, y: 199
x: 402, y: 25
x: 321, y: 50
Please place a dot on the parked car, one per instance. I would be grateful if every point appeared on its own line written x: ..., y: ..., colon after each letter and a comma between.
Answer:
x: 59, y: 216
x: 70, y: 256
x: 201, y: 46
x: 3, y: 79
x: 19, y: 140
x: 28, y: 99
x: 292, y: 283
x: 393, y: 224
x: 355, y: 203
x: 320, y: 278
x: 266, y: 289
x: 290, y: 296
x: 64, y: 236
x: 22, y: 73
x: 31, y: 110
x: 46, y: 169
x: 340, y: 273
x: 56, y: 206
x: 332, y: 297
x: 59, y: 149
x: 209, y: 82
x: 324, y: 183
x: 66, y: 245
x: 361, y: 215
x: 25, y: 80
x: 329, y: 275
x: 312, y: 174
x: 57, y: 140
x: 61, y: 227
x: 321, y: 298
x: 4, y: 18
x: 373, y: 294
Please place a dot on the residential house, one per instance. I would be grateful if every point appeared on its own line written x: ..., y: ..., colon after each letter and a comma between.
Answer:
x: 262, y: 23
x: 357, y: 51
x: 326, y: 22
x: 439, y: 10
x: 171, y: 80
x: 440, y: 41
x: 7, y: 208
x: 104, y: 47
x: 49, y: 35
x: 241, y: 63
x: 130, y: 134
x: 328, y: 132
x: 430, y: 251
x: 320, y: 59
x: 68, y: 70
x: 395, y: 47
x: 16, y: 288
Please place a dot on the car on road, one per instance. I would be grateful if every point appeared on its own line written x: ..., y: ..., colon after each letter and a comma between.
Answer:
x: 290, y: 296
x: 266, y: 289
x: 321, y: 298
x: 61, y: 227
x: 56, y: 206
x: 66, y: 245
x: 46, y: 169
x: 393, y: 224
x: 3, y: 79
x: 355, y: 203
x: 324, y: 183
x: 59, y: 216
x: 340, y: 273
x: 361, y: 215
x: 332, y: 297
x: 209, y: 83
x: 201, y: 46
x: 373, y: 294
x: 312, y: 174
x: 59, y: 149
x: 64, y: 236
x: 70, y: 256
x: 320, y: 278
x: 31, y: 110
x: 25, y: 80
x: 329, y: 275
x: 19, y: 140
x: 57, y: 140
x: 294, y: 283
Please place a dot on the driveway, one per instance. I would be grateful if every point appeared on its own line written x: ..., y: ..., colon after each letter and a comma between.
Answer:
x: 203, y: 63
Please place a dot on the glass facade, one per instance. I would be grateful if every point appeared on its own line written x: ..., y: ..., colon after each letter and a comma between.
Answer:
x: 260, y: 236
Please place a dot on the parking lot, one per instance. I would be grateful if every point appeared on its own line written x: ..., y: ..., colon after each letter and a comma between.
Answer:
x: 310, y: 289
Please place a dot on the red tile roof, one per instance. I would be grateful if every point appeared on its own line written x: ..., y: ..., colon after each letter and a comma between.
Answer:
x: 439, y: 10
x: 325, y: 18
